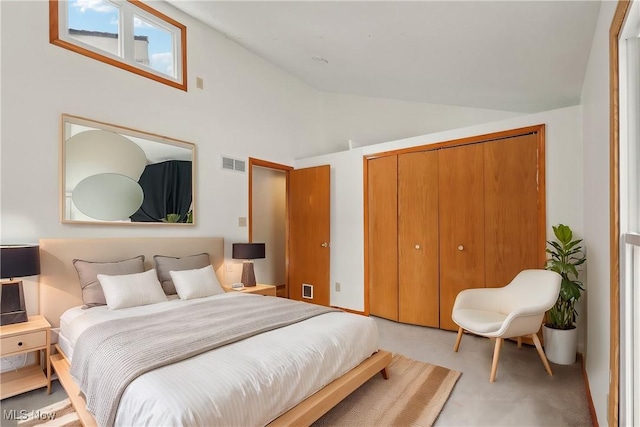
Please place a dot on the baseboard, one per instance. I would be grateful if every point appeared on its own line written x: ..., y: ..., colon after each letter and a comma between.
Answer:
x: 592, y: 409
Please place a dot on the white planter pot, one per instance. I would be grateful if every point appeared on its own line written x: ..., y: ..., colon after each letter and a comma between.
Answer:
x: 560, y: 345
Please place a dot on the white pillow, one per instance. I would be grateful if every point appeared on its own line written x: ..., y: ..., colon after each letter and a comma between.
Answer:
x: 131, y: 290
x: 198, y: 283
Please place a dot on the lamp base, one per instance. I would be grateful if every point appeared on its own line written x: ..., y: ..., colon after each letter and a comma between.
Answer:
x: 248, y: 276
x: 12, y: 309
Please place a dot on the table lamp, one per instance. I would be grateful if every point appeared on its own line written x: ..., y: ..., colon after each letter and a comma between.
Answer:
x: 248, y: 252
x: 16, y: 261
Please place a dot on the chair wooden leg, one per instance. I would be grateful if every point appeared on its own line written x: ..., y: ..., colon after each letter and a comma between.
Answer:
x: 519, y: 342
x: 496, y: 356
x: 385, y: 373
x: 458, y: 339
x: 545, y: 362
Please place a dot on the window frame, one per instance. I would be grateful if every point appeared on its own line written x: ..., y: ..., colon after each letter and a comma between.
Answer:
x: 180, y: 46
x: 629, y: 211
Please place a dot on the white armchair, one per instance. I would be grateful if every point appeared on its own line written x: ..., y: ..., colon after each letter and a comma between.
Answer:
x: 513, y: 311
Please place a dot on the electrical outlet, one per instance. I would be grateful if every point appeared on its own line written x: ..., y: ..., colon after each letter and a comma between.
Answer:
x: 229, y: 267
x: 338, y: 287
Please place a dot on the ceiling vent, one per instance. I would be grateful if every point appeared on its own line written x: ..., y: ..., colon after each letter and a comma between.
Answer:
x: 231, y: 164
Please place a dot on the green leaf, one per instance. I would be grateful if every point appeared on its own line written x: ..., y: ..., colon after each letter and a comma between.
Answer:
x: 563, y: 233
x: 172, y: 217
x: 570, y: 245
x: 557, y: 246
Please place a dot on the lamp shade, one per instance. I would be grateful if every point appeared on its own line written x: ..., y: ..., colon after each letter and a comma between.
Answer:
x: 248, y: 251
x: 99, y: 151
x: 108, y: 196
x: 19, y: 261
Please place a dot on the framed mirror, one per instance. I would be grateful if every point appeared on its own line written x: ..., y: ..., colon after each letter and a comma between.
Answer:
x: 115, y: 175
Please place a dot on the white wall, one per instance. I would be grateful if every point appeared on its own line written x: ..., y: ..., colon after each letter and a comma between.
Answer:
x: 595, y: 129
x: 366, y: 120
x: 248, y: 108
x: 563, y: 179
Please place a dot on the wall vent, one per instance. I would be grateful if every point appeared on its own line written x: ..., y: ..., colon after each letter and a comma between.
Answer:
x: 239, y: 165
x: 307, y: 291
x: 231, y: 164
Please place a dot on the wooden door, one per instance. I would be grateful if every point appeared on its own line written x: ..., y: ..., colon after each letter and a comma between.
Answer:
x: 418, y: 277
x: 511, y: 208
x: 309, y: 232
x: 382, y: 233
x: 461, y: 213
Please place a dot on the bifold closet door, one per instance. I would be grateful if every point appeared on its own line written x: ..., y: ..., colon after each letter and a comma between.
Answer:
x: 382, y: 199
x: 512, y: 242
x: 418, y: 285
x: 461, y: 213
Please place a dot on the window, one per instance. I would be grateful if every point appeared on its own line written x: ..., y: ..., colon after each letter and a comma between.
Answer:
x: 127, y: 34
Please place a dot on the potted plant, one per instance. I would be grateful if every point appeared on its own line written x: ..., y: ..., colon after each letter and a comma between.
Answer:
x: 559, y: 332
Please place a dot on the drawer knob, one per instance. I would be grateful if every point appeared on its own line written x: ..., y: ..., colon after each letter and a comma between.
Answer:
x: 20, y: 344
x: 460, y: 248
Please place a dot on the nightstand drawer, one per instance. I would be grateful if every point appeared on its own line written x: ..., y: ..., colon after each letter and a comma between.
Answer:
x: 23, y: 342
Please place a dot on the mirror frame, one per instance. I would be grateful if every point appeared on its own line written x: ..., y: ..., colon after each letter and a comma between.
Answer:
x: 125, y: 131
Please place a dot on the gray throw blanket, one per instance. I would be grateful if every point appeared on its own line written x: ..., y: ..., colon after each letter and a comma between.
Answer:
x: 108, y: 356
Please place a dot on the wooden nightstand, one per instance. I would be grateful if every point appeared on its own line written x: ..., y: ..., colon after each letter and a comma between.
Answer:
x: 268, y: 290
x: 26, y: 337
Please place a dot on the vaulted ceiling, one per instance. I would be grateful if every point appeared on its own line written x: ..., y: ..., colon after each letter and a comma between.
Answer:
x: 522, y: 56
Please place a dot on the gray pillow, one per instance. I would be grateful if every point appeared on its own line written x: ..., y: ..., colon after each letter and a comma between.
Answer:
x: 88, y: 271
x: 166, y: 264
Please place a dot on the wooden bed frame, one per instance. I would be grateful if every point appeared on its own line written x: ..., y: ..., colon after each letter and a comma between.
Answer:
x: 60, y: 290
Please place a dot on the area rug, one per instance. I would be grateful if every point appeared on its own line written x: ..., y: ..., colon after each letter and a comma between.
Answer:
x: 414, y: 395
x: 59, y: 414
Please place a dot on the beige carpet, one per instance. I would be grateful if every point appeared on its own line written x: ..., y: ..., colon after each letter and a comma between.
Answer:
x: 414, y: 395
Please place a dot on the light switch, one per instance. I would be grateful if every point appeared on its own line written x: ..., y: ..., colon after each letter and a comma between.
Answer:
x: 199, y: 83
x: 242, y: 221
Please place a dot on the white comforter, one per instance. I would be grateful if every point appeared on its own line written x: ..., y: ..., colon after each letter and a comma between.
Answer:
x: 250, y: 382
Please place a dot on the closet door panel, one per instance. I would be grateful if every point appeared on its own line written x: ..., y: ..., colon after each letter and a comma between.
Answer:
x: 461, y: 213
x: 418, y: 281
x: 382, y: 200
x: 511, y: 208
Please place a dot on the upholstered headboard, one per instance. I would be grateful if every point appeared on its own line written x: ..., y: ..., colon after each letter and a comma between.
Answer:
x: 59, y: 285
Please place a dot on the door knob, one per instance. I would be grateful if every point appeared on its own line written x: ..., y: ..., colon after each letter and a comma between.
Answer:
x: 324, y: 245
x: 460, y: 247
x: 417, y: 246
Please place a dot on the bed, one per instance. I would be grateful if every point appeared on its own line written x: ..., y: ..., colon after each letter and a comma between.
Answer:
x: 286, y: 376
